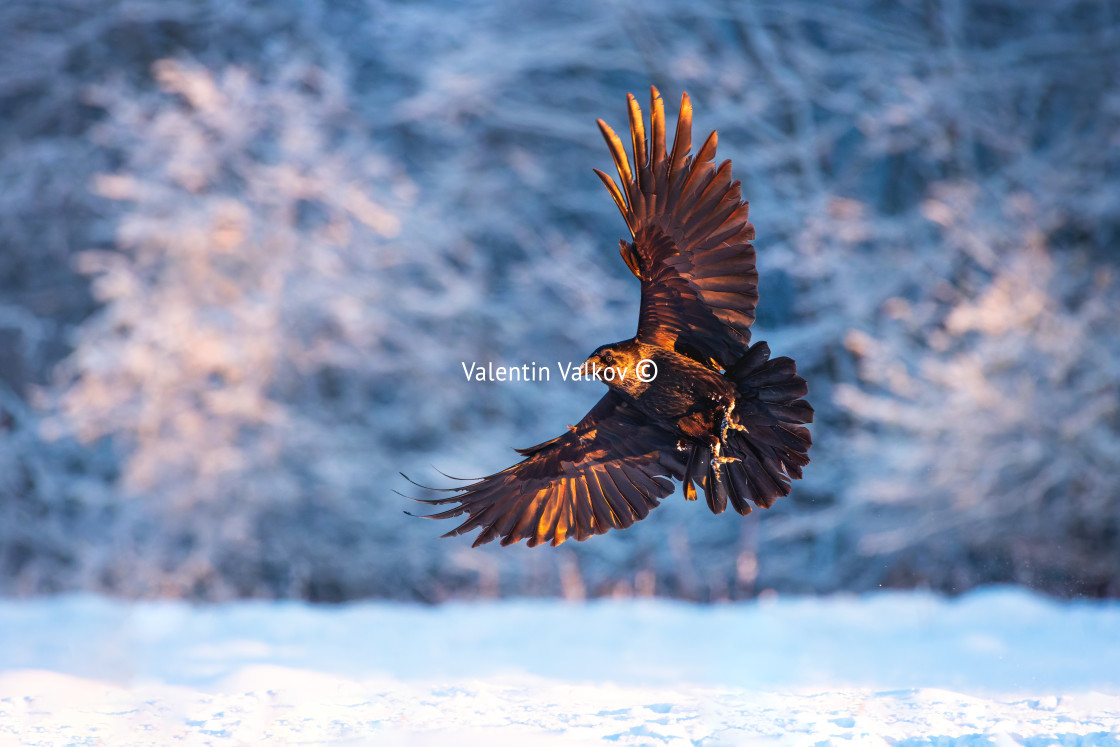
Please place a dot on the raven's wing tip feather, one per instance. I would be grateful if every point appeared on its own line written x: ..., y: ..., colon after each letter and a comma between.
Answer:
x: 422, y: 516
x: 452, y: 477
x: 418, y: 500
x: 426, y: 487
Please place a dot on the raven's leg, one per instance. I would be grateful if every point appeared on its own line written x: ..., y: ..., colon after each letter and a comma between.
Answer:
x: 717, y: 457
x: 728, y: 423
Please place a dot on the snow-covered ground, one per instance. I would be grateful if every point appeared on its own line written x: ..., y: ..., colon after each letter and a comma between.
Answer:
x: 998, y: 666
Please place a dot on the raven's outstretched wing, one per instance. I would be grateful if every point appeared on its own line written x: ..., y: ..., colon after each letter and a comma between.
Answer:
x: 691, y: 247
x: 606, y: 472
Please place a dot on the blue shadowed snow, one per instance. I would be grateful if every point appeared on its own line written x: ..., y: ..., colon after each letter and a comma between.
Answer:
x: 994, y: 640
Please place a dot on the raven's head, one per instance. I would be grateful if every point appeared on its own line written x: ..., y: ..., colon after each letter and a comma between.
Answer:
x: 616, y: 365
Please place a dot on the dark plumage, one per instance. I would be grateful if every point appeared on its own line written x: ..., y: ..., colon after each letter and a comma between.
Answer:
x: 720, y: 414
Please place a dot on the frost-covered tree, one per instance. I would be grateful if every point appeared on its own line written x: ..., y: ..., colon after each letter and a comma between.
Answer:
x: 261, y: 301
x: 991, y: 409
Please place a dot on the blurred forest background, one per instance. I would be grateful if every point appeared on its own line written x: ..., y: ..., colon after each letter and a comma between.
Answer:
x: 245, y: 247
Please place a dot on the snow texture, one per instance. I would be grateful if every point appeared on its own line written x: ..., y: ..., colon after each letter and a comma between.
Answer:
x: 997, y: 666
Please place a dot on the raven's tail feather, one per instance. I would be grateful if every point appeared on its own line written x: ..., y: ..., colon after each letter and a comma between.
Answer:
x: 766, y: 435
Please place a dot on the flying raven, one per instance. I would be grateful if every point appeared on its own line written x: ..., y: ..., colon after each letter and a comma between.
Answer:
x: 719, y: 414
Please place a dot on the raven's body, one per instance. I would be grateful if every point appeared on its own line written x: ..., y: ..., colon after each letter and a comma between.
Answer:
x: 687, y: 397
x: 719, y: 414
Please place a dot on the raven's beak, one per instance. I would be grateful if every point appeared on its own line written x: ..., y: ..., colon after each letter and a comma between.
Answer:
x: 587, y: 367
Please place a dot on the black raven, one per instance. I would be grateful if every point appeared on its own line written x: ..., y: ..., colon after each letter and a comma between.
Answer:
x: 719, y: 413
